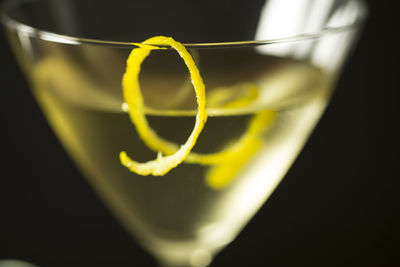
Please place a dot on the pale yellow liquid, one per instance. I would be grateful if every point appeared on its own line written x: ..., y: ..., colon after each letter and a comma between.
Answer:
x: 179, y: 214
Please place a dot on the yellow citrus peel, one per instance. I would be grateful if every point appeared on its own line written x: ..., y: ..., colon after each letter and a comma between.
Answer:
x: 226, y: 163
x: 134, y: 99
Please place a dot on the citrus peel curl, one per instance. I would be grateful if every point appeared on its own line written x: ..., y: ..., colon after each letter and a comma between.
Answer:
x: 226, y: 163
x: 134, y: 99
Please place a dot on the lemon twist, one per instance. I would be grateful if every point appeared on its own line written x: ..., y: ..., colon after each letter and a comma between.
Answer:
x: 134, y: 99
x: 226, y: 163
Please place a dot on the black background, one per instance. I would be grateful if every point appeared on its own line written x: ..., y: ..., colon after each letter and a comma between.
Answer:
x: 338, y: 205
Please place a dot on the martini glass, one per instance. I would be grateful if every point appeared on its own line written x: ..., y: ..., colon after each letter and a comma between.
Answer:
x: 269, y: 68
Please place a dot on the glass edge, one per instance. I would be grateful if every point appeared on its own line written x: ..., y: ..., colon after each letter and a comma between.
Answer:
x: 67, y: 39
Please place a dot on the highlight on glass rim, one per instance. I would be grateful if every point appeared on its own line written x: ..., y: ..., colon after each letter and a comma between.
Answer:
x: 183, y: 116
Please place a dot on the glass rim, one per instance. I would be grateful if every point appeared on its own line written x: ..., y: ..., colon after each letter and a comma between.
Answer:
x: 74, y: 40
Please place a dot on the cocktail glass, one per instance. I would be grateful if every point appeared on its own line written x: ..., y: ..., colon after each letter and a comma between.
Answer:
x: 269, y: 68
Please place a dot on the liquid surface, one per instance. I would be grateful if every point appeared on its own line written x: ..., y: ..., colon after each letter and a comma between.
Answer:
x: 179, y: 212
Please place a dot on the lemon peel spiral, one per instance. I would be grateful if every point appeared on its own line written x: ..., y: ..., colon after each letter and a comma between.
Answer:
x: 225, y: 164
x: 134, y: 99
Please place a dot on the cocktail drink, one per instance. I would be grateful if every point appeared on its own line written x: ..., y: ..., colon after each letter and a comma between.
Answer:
x: 269, y: 68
